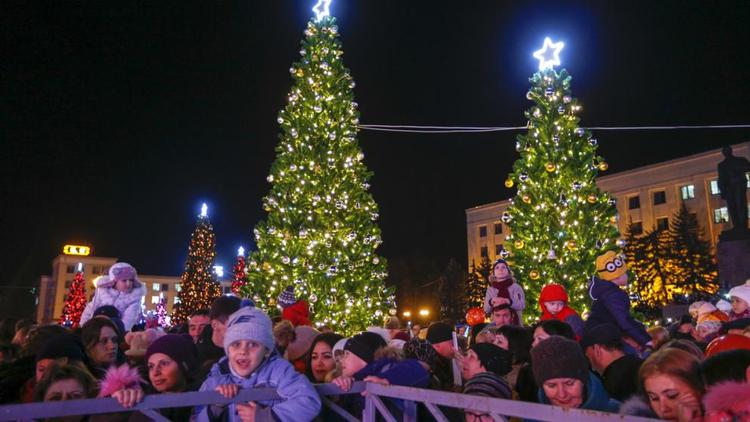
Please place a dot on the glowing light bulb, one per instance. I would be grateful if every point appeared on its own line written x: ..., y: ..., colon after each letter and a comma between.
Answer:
x: 321, y: 9
x: 549, y: 54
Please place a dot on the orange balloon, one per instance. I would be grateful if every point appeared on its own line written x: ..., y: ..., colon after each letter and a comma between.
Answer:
x: 474, y: 316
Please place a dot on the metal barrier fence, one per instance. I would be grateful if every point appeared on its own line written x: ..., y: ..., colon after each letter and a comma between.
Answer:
x: 375, y: 395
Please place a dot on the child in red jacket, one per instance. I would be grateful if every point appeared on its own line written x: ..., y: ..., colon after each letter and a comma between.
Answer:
x: 554, y: 303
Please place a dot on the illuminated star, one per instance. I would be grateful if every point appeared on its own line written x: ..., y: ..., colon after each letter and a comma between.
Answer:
x: 321, y: 9
x: 549, y: 54
x: 204, y: 210
x: 241, y: 251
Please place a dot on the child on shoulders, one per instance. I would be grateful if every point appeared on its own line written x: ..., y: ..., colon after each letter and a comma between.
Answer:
x: 554, y: 303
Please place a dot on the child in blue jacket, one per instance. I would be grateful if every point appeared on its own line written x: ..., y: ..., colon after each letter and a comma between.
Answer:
x: 252, y: 362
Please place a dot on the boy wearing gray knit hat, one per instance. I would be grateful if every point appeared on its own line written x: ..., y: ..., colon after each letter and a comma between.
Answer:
x: 248, y: 340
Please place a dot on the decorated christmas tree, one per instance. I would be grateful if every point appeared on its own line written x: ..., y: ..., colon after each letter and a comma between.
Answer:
x: 476, y: 283
x: 560, y: 221
x: 239, y: 276
x: 75, y: 301
x: 198, y: 286
x: 320, y: 234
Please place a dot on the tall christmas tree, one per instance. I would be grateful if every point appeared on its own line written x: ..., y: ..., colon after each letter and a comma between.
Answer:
x: 75, y: 301
x: 198, y: 286
x: 238, y: 271
x: 320, y: 234
x: 560, y: 221
x: 696, y: 266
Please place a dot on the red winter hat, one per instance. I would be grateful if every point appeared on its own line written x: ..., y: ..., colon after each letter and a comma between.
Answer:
x: 727, y: 342
x: 552, y: 292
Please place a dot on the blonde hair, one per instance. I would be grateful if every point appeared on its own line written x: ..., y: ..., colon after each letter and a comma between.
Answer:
x: 659, y: 335
x: 675, y: 363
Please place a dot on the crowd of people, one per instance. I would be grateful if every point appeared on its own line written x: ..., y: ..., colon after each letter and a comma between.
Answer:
x: 696, y: 369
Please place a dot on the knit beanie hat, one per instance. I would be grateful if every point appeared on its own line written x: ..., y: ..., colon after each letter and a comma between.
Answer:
x: 610, y: 266
x: 439, y: 332
x: 303, y: 340
x: 286, y: 297
x: 606, y: 333
x: 552, y: 292
x: 695, y: 306
x: 488, y: 384
x: 421, y: 350
x: 724, y: 306
x: 742, y: 291
x: 179, y: 347
x: 364, y: 345
x: 62, y: 346
x: 249, y: 323
x: 558, y: 357
x: 494, y: 359
x: 705, y: 309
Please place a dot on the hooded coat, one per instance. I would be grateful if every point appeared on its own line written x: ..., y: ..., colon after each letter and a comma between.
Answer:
x: 728, y: 401
x: 300, y: 401
x: 612, y: 305
x: 553, y: 292
x: 128, y: 303
x: 596, y: 397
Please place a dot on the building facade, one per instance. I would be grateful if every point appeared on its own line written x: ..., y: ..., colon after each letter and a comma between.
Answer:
x: 648, y: 196
x: 54, y: 288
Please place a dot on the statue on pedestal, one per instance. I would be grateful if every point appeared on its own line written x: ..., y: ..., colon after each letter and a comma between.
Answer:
x: 733, y: 187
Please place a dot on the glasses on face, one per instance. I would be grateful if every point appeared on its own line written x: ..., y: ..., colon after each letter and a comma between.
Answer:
x: 104, y: 340
x: 475, y: 417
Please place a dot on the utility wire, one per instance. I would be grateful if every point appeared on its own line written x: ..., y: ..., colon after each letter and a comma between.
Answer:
x: 482, y: 129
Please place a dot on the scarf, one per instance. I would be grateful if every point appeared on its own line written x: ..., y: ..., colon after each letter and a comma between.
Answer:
x: 502, y: 287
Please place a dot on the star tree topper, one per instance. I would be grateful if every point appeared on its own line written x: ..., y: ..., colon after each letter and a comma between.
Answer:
x: 321, y: 9
x: 549, y: 54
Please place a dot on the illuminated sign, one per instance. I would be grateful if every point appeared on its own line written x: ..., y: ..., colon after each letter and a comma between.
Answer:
x: 76, y: 250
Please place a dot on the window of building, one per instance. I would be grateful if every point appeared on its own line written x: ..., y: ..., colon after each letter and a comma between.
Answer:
x: 662, y: 223
x: 483, y: 252
x: 660, y: 197
x: 636, y: 228
x: 164, y: 287
x: 154, y: 300
x: 498, y: 249
x: 96, y: 270
x: 70, y: 269
x: 155, y: 287
x: 498, y: 228
x: 714, y: 187
x: 687, y: 192
x: 482, y: 231
x: 634, y: 202
x: 721, y: 215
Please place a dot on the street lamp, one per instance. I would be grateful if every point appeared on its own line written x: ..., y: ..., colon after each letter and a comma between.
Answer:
x: 424, y: 312
x: 407, y: 314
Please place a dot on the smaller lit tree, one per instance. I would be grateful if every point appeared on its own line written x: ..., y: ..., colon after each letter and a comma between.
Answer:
x: 161, y: 313
x: 240, y: 277
x: 476, y: 283
x: 75, y: 301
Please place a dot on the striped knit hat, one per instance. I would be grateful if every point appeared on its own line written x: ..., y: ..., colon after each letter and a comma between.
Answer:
x: 286, y: 298
x: 488, y: 384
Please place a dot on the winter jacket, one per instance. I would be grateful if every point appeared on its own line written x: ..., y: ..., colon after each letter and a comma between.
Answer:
x: 128, y: 303
x: 612, y: 305
x: 620, y: 378
x: 553, y: 292
x: 297, y: 313
x: 596, y: 397
x: 728, y: 401
x: 743, y: 315
x: 300, y: 401
x: 517, y: 299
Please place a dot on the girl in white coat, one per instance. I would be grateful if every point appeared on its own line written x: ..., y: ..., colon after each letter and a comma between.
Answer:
x: 121, y: 289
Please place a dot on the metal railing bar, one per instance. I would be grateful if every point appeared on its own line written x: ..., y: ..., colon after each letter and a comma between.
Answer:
x: 498, y: 417
x: 492, y: 405
x: 338, y: 409
x: 436, y: 413
x: 410, y: 411
x: 382, y: 409
x: 369, y: 414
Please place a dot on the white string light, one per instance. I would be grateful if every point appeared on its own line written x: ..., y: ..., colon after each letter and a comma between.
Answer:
x: 480, y: 129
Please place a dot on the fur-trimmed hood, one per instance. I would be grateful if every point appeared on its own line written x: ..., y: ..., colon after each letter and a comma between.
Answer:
x: 727, y: 401
x: 637, y: 406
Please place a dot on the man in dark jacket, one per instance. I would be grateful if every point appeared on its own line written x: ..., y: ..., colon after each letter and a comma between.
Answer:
x: 611, y: 304
x: 619, y: 371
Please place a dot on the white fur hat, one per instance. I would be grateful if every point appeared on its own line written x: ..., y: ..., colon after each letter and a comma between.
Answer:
x: 742, y: 291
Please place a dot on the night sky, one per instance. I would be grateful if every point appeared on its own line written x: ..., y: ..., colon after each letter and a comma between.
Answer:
x: 118, y: 120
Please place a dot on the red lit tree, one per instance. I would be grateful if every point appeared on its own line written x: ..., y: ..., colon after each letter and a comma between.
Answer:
x: 240, y: 278
x: 75, y: 302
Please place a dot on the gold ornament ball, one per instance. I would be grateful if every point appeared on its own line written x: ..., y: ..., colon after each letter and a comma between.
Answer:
x: 550, y: 167
x: 526, y: 199
x: 519, y: 244
x: 508, y: 183
x: 592, y: 199
x: 603, y: 166
x: 300, y: 73
x: 613, y: 219
x: 534, y: 274
x: 572, y: 245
